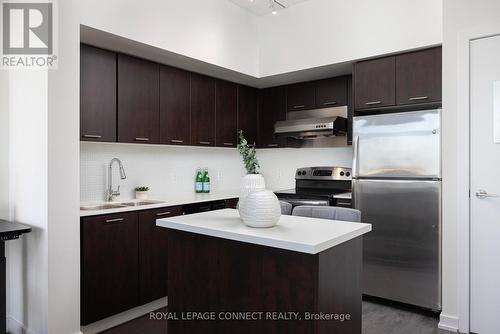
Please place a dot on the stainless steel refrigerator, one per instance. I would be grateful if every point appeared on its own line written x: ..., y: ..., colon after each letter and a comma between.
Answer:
x: 397, y: 187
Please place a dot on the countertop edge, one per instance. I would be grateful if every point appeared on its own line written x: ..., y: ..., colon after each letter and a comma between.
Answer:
x: 286, y: 245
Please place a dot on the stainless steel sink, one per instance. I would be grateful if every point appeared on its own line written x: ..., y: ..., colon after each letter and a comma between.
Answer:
x: 102, y: 207
x: 141, y: 203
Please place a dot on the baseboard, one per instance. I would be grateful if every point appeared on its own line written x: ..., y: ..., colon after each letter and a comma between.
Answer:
x: 448, y: 323
x: 123, y: 317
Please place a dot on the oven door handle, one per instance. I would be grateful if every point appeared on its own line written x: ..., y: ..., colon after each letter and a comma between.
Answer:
x: 298, y: 202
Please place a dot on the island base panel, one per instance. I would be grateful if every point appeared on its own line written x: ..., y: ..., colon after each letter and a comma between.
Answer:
x: 214, y: 276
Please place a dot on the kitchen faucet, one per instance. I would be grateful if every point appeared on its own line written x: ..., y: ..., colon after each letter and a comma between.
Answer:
x: 112, y: 193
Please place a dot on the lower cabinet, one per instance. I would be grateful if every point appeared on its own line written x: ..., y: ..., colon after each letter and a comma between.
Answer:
x: 123, y: 262
x: 153, y: 248
x: 124, y: 259
x: 109, y: 265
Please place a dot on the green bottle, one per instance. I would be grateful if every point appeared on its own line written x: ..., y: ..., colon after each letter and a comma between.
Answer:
x: 199, y: 181
x: 206, y: 181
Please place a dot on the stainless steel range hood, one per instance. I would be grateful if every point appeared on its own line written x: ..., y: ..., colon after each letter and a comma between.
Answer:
x: 313, y: 124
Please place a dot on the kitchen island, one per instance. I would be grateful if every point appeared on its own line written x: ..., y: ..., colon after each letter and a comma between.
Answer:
x: 302, y: 276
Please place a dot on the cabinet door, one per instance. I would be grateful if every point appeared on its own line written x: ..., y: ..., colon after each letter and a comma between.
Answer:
x: 138, y: 100
x: 153, y: 254
x: 300, y: 96
x: 248, y: 112
x: 375, y: 83
x: 97, y: 94
x: 109, y: 265
x: 174, y: 106
x: 202, y: 110
x: 273, y: 110
x: 331, y: 92
x: 418, y: 77
x: 226, y: 110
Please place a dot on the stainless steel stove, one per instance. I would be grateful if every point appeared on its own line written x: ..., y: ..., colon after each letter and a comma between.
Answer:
x: 321, y: 186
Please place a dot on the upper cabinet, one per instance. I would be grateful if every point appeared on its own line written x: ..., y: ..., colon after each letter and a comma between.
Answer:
x: 418, y: 77
x: 331, y: 92
x: 300, y: 96
x: 202, y: 110
x: 138, y: 100
x: 398, y: 82
x: 226, y: 110
x: 375, y: 83
x: 97, y: 94
x: 174, y: 106
x: 273, y: 110
x: 248, y: 109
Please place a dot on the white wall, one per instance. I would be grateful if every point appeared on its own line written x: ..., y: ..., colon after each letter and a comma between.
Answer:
x: 164, y: 168
x: 323, y: 32
x: 458, y: 16
x: 214, y: 31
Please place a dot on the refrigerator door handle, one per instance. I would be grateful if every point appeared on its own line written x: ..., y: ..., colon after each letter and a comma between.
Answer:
x: 355, y: 158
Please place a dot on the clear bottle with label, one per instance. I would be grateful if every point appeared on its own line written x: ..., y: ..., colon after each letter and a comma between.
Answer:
x: 199, y: 181
x: 206, y: 181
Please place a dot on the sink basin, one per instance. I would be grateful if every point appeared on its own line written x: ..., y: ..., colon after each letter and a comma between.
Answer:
x: 102, y: 207
x: 142, y: 203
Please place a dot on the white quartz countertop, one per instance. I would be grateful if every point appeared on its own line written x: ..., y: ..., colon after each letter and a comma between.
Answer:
x: 164, y: 201
x: 301, y: 234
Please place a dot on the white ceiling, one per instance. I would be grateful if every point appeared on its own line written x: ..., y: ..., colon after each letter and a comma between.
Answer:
x: 262, y: 7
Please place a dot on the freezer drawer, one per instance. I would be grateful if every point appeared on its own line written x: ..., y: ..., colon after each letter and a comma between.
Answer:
x: 402, y: 253
x: 400, y: 145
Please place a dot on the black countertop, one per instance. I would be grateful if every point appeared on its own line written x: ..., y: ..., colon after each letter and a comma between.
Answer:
x: 10, y: 230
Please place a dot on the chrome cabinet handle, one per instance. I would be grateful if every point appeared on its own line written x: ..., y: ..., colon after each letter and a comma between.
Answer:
x: 177, y: 141
x: 417, y: 98
x: 92, y: 136
x: 163, y: 213
x: 300, y: 106
x: 204, y: 142
x: 228, y: 144
x: 330, y: 103
x: 483, y: 194
x: 272, y: 145
x: 142, y: 139
x: 371, y: 103
x: 116, y: 220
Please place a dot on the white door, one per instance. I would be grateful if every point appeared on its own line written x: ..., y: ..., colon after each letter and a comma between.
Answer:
x: 485, y: 185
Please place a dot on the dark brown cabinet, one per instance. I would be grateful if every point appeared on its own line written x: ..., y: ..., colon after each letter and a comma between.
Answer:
x: 174, y: 106
x: 331, y: 92
x: 138, y: 100
x: 248, y: 112
x: 273, y: 110
x: 109, y: 260
x: 375, y: 83
x: 202, y: 110
x: 97, y: 94
x: 226, y: 111
x: 153, y: 254
x: 418, y: 77
x: 300, y: 96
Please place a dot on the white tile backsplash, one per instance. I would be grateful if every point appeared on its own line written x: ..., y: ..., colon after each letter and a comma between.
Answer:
x: 172, y: 169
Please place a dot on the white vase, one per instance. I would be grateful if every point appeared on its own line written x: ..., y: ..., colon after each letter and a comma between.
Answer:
x: 141, y: 195
x: 251, y: 183
x: 260, y: 209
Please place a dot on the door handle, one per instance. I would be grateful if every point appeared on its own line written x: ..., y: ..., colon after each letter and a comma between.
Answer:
x: 355, y: 159
x: 483, y: 194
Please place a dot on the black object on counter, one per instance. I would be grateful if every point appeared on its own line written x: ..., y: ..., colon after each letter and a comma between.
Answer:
x: 8, y: 231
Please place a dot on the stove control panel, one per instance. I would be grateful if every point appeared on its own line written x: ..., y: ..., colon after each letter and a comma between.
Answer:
x: 324, y: 173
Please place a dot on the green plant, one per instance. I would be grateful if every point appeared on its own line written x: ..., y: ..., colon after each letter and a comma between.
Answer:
x: 141, y: 188
x: 249, y: 155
